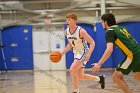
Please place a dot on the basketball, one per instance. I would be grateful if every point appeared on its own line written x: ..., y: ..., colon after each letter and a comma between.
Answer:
x: 55, y: 56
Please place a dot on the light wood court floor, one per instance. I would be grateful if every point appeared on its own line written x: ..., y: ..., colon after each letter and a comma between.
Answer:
x: 58, y: 82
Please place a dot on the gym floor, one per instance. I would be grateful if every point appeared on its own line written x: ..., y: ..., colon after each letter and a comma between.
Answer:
x: 58, y: 82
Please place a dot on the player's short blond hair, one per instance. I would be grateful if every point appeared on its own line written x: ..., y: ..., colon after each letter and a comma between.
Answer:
x: 72, y: 15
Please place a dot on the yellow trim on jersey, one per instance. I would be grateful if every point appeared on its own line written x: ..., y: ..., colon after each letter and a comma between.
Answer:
x: 129, y: 54
x: 124, y: 48
x: 127, y: 62
x: 114, y: 26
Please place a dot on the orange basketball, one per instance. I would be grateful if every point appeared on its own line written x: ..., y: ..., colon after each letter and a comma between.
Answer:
x: 55, y: 56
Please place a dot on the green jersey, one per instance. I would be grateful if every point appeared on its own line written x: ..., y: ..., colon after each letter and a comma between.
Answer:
x: 128, y: 45
x: 122, y: 39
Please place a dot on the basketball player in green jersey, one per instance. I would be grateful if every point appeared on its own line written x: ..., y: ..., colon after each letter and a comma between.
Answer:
x: 119, y: 36
x: 77, y: 40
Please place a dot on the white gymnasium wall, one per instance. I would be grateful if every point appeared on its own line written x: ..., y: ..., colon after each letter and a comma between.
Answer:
x: 46, y: 39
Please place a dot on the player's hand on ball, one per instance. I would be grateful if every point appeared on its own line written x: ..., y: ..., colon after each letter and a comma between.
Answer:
x: 61, y: 53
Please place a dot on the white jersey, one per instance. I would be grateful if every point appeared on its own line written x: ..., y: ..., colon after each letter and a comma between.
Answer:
x: 78, y: 44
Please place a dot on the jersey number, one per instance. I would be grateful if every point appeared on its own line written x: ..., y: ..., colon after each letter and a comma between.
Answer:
x: 125, y: 32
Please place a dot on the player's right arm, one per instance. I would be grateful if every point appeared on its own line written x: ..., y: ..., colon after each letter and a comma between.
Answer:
x: 68, y: 47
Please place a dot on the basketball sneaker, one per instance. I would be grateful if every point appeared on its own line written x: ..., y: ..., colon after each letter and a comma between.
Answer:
x: 102, y: 81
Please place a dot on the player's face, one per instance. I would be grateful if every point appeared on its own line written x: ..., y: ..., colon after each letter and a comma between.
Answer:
x: 104, y: 24
x: 70, y: 21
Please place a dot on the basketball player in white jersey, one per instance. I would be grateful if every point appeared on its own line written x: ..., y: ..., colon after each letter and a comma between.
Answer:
x: 77, y: 39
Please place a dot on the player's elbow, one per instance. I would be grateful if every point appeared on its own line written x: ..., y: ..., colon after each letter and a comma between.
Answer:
x: 109, y: 47
x: 70, y: 45
x: 110, y: 50
x: 92, y: 42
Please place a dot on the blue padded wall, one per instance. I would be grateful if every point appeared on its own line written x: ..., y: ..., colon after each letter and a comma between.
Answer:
x: 101, y: 45
x: 1, y: 61
x: 18, y: 47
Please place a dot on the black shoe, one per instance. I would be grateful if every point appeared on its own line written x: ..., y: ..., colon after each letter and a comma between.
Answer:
x: 102, y: 81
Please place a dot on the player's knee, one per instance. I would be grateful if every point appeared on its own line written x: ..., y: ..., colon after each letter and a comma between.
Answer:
x: 116, y: 76
x: 81, y: 76
x: 137, y: 78
x: 72, y: 71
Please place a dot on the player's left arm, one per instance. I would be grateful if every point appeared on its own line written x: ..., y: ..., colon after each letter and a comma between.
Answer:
x: 110, y: 39
x: 87, y: 37
x: 106, y: 55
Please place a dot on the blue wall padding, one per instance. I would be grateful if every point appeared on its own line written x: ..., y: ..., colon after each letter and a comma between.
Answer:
x: 100, y: 44
x: 20, y: 55
x: 1, y: 61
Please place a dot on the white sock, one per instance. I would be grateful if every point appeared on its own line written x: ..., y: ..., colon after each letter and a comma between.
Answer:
x: 97, y: 78
x: 76, y: 90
